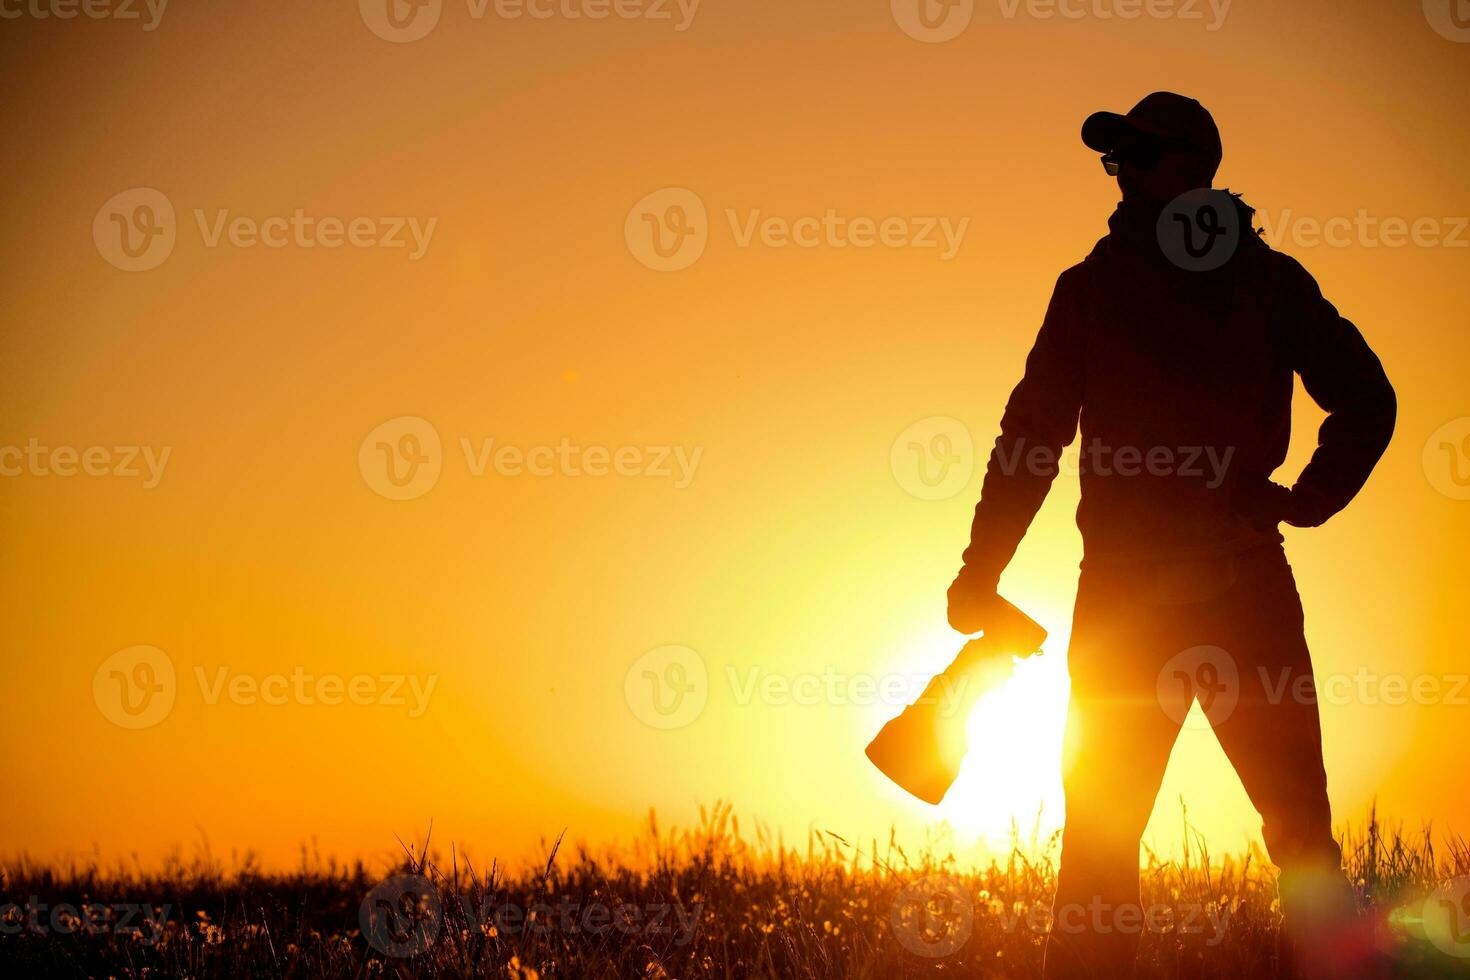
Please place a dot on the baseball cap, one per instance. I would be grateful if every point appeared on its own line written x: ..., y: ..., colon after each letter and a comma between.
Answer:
x: 1165, y: 117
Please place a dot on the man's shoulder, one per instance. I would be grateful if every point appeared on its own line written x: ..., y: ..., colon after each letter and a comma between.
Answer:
x: 1281, y: 271
x: 1078, y: 281
x: 1075, y: 276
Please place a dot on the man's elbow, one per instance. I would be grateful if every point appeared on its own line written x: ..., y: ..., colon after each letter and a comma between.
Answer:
x: 1385, y: 410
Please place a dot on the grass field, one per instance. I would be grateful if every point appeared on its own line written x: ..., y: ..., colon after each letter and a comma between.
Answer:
x: 707, y: 902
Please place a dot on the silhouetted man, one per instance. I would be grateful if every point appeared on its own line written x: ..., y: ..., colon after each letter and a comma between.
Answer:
x: 1175, y: 342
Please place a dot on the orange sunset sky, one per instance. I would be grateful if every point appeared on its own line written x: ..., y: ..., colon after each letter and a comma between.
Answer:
x: 480, y: 643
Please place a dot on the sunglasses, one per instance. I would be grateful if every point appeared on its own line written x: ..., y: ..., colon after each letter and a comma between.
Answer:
x: 1142, y: 154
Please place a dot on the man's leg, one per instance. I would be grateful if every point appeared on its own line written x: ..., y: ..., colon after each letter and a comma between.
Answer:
x: 1119, y: 741
x: 1274, y: 740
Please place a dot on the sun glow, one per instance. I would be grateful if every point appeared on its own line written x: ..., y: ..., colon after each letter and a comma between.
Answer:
x: 1010, y: 781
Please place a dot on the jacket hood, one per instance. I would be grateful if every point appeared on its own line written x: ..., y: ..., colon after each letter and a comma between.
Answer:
x: 1133, y: 227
